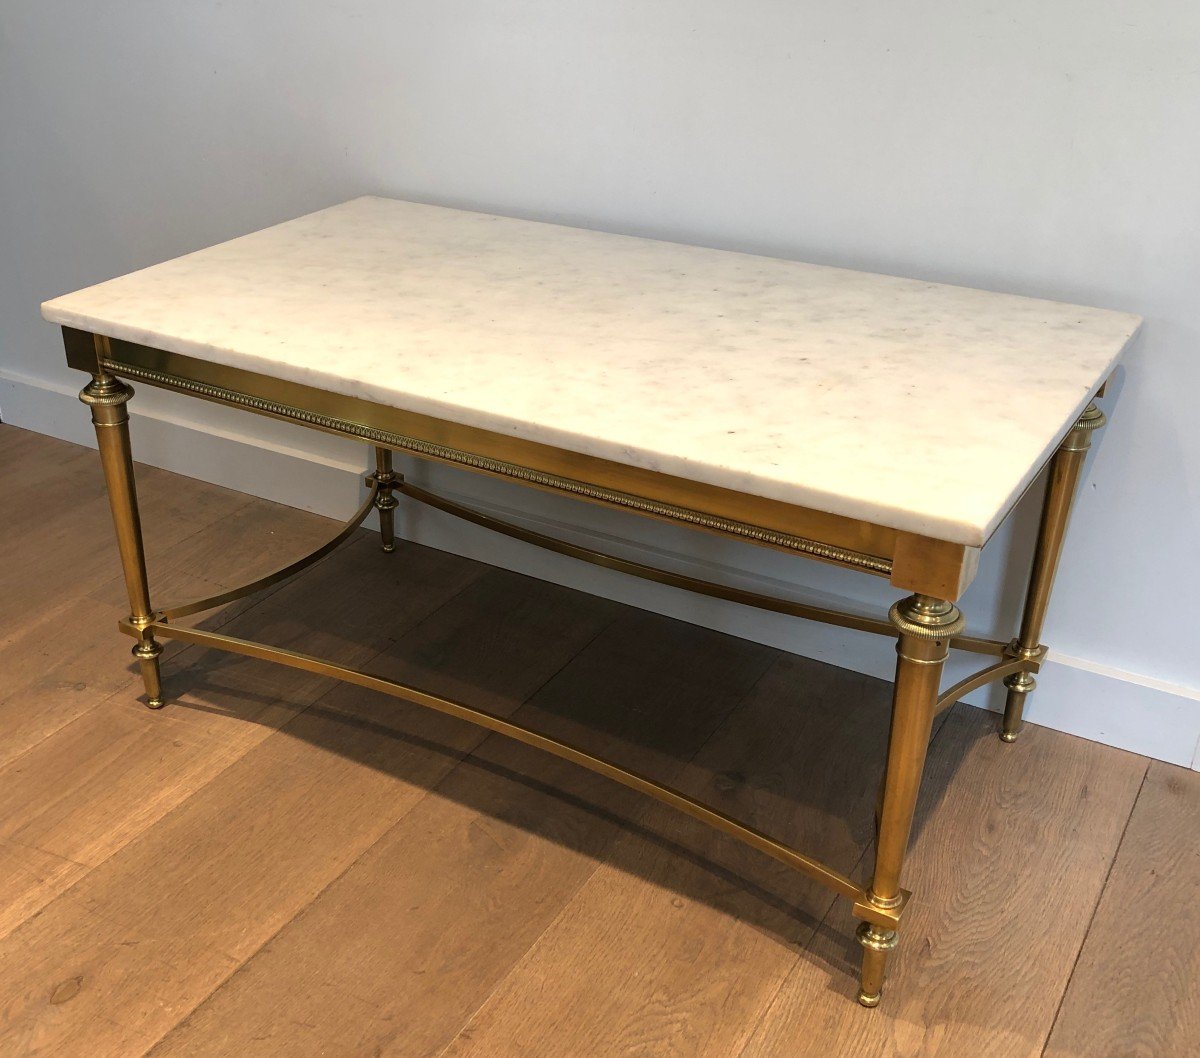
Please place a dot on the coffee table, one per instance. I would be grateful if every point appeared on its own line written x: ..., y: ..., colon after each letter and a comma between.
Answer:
x: 881, y: 424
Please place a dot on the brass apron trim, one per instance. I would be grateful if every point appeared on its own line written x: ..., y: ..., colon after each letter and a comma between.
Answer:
x: 802, y: 545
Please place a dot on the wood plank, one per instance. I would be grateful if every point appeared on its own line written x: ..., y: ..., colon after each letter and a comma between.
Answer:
x: 1134, y: 993
x: 69, y: 548
x: 41, y: 478
x: 142, y: 939
x: 418, y: 932
x: 251, y: 538
x: 59, y: 651
x: 66, y: 656
x: 1006, y: 866
x: 29, y: 878
x: 57, y: 670
x: 689, y: 933
x: 92, y: 786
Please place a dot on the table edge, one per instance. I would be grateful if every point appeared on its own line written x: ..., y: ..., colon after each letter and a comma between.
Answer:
x: 911, y: 561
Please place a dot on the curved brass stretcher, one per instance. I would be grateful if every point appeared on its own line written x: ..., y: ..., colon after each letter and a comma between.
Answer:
x: 161, y: 627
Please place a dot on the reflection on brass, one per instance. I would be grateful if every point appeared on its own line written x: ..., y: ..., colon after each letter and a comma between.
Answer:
x: 926, y: 625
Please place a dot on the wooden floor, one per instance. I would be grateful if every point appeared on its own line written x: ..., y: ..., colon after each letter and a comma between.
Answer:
x: 279, y: 865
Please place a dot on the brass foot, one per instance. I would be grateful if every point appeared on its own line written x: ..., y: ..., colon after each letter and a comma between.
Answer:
x: 877, y: 944
x: 147, y: 652
x: 386, y: 504
x: 1019, y: 685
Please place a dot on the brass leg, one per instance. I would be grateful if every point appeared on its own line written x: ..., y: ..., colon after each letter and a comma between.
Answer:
x: 925, y: 626
x: 106, y: 397
x: 1065, y: 470
x: 385, y: 502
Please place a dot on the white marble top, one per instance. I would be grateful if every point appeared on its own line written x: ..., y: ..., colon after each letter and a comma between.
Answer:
x: 915, y: 405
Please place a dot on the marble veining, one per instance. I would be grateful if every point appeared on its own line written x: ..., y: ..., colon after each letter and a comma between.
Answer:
x: 915, y: 405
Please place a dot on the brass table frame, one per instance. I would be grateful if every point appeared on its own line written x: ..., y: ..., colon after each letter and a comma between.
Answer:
x: 926, y: 623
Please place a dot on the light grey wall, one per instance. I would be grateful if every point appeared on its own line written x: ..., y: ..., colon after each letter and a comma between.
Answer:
x: 1043, y: 149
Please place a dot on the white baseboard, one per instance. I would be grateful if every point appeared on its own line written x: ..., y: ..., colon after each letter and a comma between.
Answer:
x: 286, y: 463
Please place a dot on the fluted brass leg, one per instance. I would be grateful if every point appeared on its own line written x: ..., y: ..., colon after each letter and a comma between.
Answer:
x: 925, y: 626
x: 1065, y: 470
x: 106, y: 397
x: 385, y: 502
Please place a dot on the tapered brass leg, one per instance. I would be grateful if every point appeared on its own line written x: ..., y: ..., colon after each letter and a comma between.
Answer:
x: 106, y: 397
x: 1065, y: 470
x: 925, y: 626
x: 385, y: 502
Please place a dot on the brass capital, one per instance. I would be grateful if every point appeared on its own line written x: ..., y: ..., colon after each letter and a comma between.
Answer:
x: 147, y: 648
x: 1021, y: 682
x: 384, y: 479
x: 1080, y: 437
x: 104, y: 391
x: 1091, y: 419
x: 876, y: 939
x: 924, y: 617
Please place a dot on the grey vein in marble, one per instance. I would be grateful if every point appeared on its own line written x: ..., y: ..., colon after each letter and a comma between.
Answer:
x: 915, y: 405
